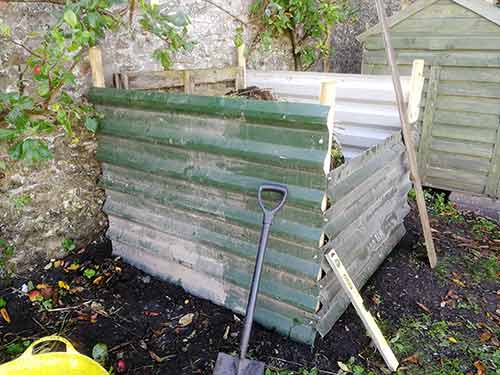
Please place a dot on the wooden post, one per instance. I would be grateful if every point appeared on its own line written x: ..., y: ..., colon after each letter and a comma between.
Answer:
x: 327, y: 96
x: 241, y: 82
x: 417, y: 81
x: 412, y: 155
x: 357, y: 301
x: 96, y: 66
x: 188, y: 83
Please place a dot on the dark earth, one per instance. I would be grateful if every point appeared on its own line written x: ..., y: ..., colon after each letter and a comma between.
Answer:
x: 433, y: 318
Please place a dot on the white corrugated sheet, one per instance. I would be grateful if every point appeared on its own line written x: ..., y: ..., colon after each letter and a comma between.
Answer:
x: 365, y: 106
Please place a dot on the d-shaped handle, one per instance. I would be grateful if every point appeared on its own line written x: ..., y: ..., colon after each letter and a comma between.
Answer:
x: 277, y: 188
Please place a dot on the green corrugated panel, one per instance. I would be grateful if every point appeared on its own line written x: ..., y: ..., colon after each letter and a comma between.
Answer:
x: 181, y: 175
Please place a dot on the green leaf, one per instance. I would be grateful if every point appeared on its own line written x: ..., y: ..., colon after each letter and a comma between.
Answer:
x: 91, y: 124
x: 7, y: 133
x: 30, y: 150
x: 17, y: 117
x: 68, y: 244
x: 89, y: 273
x: 70, y: 18
x: 100, y: 353
x: 17, y: 347
x: 43, y: 89
x: 3, y: 303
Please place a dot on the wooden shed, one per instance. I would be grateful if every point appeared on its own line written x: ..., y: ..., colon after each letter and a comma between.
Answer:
x: 459, y: 147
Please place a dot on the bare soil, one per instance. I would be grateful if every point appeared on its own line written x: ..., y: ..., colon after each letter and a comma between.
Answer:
x: 141, y: 318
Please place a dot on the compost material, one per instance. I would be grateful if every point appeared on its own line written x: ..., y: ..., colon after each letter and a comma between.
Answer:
x: 157, y: 328
x: 253, y: 92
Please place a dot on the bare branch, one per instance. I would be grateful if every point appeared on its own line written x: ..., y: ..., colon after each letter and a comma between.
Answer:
x: 226, y: 11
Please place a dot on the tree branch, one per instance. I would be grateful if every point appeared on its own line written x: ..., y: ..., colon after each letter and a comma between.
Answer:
x: 27, y: 49
x: 227, y: 12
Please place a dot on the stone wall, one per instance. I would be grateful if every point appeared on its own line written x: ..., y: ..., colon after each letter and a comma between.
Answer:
x: 347, y: 52
x: 42, y: 205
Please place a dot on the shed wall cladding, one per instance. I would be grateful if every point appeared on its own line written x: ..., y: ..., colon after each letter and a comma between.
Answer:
x: 181, y: 175
x: 460, y: 43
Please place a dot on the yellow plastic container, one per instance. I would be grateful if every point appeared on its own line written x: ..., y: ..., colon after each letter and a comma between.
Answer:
x: 69, y: 362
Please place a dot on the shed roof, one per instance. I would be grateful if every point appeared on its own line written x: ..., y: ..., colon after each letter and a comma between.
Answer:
x: 481, y: 7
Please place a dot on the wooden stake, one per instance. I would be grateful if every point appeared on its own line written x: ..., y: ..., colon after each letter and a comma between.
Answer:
x: 416, y: 88
x: 327, y: 96
x: 241, y: 82
x: 188, y: 83
x: 412, y: 156
x: 367, y: 319
x: 95, y: 58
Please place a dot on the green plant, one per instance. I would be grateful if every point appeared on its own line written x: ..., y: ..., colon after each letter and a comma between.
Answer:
x: 21, y: 201
x: 439, y: 206
x: 26, y: 117
x: 307, y: 23
x: 483, y: 227
x: 170, y: 28
x: 68, y: 245
x: 6, y: 252
x: 89, y: 273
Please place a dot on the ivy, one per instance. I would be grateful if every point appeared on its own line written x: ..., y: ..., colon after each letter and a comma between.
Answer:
x: 50, y: 67
x: 307, y: 23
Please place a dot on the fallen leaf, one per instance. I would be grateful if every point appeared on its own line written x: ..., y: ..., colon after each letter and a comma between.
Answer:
x: 458, y: 282
x: 152, y: 313
x: 98, y: 280
x: 5, y: 314
x: 423, y: 307
x: 3, y: 302
x: 376, y: 299
x: 57, y: 263
x: 35, y: 295
x: 452, y: 340
x: 118, y: 269
x: 47, y: 292
x: 63, y: 285
x: 156, y: 358
x: 343, y: 366
x: 481, y: 370
x: 73, y: 267
x: 411, y: 359
x: 485, y: 336
x: 186, y: 320
x: 42, y: 286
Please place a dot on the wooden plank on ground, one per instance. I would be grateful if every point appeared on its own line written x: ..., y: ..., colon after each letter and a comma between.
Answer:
x: 367, y: 319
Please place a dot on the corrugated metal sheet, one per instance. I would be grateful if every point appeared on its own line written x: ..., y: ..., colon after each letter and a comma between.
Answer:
x: 365, y: 107
x: 368, y: 203
x: 460, y: 143
x: 181, y: 175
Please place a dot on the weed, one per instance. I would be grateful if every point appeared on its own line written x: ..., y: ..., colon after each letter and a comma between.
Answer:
x: 6, y: 252
x: 488, y: 268
x: 483, y: 227
x: 68, y: 245
x: 21, y: 201
x: 441, y: 207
